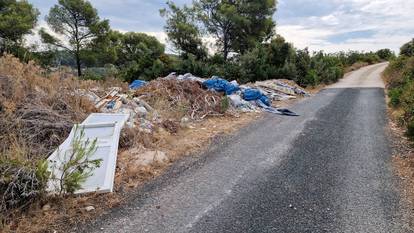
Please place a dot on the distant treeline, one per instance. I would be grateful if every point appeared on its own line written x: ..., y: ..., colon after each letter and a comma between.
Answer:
x: 246, y: 45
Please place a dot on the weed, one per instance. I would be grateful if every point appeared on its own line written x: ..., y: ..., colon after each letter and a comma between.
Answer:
x: 77, y: 164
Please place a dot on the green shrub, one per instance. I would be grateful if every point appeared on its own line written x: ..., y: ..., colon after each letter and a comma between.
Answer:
x: 79, y: 165
x: 410, y: 129
x: 400, y: 80
x: 395, y: 95
x: 225, y: 104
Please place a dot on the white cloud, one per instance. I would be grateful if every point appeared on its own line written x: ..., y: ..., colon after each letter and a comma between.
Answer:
x: 389, y: 22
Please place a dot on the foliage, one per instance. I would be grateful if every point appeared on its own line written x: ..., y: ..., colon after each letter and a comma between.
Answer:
x: 78, y: 22
x: 400, y: 82
x: 256, y: 24
x: 139, y: 56
x: 237, y: 25
x: 385, y: 54
x: 17, y: 18
x: 183, y: 31
x: 78, y: 165
x: 408, y: 49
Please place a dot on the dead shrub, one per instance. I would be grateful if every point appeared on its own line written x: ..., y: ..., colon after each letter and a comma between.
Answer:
x: 176, y: 99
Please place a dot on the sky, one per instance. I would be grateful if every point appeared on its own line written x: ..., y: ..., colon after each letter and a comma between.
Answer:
x: 329, y: 25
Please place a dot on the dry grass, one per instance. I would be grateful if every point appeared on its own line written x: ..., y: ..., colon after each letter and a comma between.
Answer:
x: 175, y: 99
x: 355, y: 66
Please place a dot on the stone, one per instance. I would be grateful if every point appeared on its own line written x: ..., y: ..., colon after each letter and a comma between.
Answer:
x: 46, y: 207
x: 185, y: 121
x: 89, y: 208
x: 150, y: 157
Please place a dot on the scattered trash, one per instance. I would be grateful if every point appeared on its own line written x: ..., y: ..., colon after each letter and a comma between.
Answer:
x: 220, y: 85
x: 89, y: 208
x: 238, y: 103
x: 282, y: 88
x: 255, y: 94
x: 137, y: 84
x: 280, y: 111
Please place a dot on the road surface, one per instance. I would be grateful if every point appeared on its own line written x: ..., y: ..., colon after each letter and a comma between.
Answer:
x: 328, y: 170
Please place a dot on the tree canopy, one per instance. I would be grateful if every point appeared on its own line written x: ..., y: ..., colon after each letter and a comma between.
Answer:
x: 78, y: 22
x: 237, y: 25
x: 408, y: 49
x: 183, y: 31
x: 17, y: 18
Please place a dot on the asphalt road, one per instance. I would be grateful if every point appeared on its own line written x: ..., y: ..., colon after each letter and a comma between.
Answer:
x: 328, y: 170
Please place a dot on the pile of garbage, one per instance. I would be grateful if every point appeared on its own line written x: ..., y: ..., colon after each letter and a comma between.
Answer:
x: 170, y: 100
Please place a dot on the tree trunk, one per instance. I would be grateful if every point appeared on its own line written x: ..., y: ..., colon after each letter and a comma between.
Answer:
x: 78, y: 64
x: 225, y: 48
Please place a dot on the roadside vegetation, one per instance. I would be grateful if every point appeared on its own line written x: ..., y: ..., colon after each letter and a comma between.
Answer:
x: 399, y: 78
x: 400, y: 83
x: 246, y: 46
x: 39, y: 103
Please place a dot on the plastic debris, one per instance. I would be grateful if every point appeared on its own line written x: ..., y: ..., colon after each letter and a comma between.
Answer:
x: 255, y: 94
x: 220, y: 85
x: 137, y: 84
x: 280, y: 111
x: 243, y: 105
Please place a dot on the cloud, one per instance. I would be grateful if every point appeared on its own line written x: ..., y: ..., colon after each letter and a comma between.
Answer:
x: 329, y: 25
x: 366, y: 25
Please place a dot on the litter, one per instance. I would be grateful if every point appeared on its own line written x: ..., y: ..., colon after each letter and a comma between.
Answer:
x: 220, y: 85
x: 280, y: 111
x: 281, y: 87
x: 106, y: 129
x: 137, y: 84
x: 255, y: 94
x: 238, y: 103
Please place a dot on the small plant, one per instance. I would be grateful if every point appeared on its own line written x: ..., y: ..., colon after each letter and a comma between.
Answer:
x: 78, y: 165
x: 224, y: 104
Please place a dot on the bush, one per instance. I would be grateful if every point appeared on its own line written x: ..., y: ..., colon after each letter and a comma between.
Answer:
x: 79, y: 165
x: 410, y: 129
x: 21, y: 184
x: 395, y: 95
x: 400, y: 80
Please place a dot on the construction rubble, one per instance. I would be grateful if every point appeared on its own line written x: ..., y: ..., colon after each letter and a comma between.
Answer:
x: 171, y: 103
x: 186, y: 96
x: 143, y: 108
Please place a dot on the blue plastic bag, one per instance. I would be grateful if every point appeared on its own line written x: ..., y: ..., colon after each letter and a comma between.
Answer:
x: 255, y: 94
x: 220, y: 85
x: 137, y: 84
